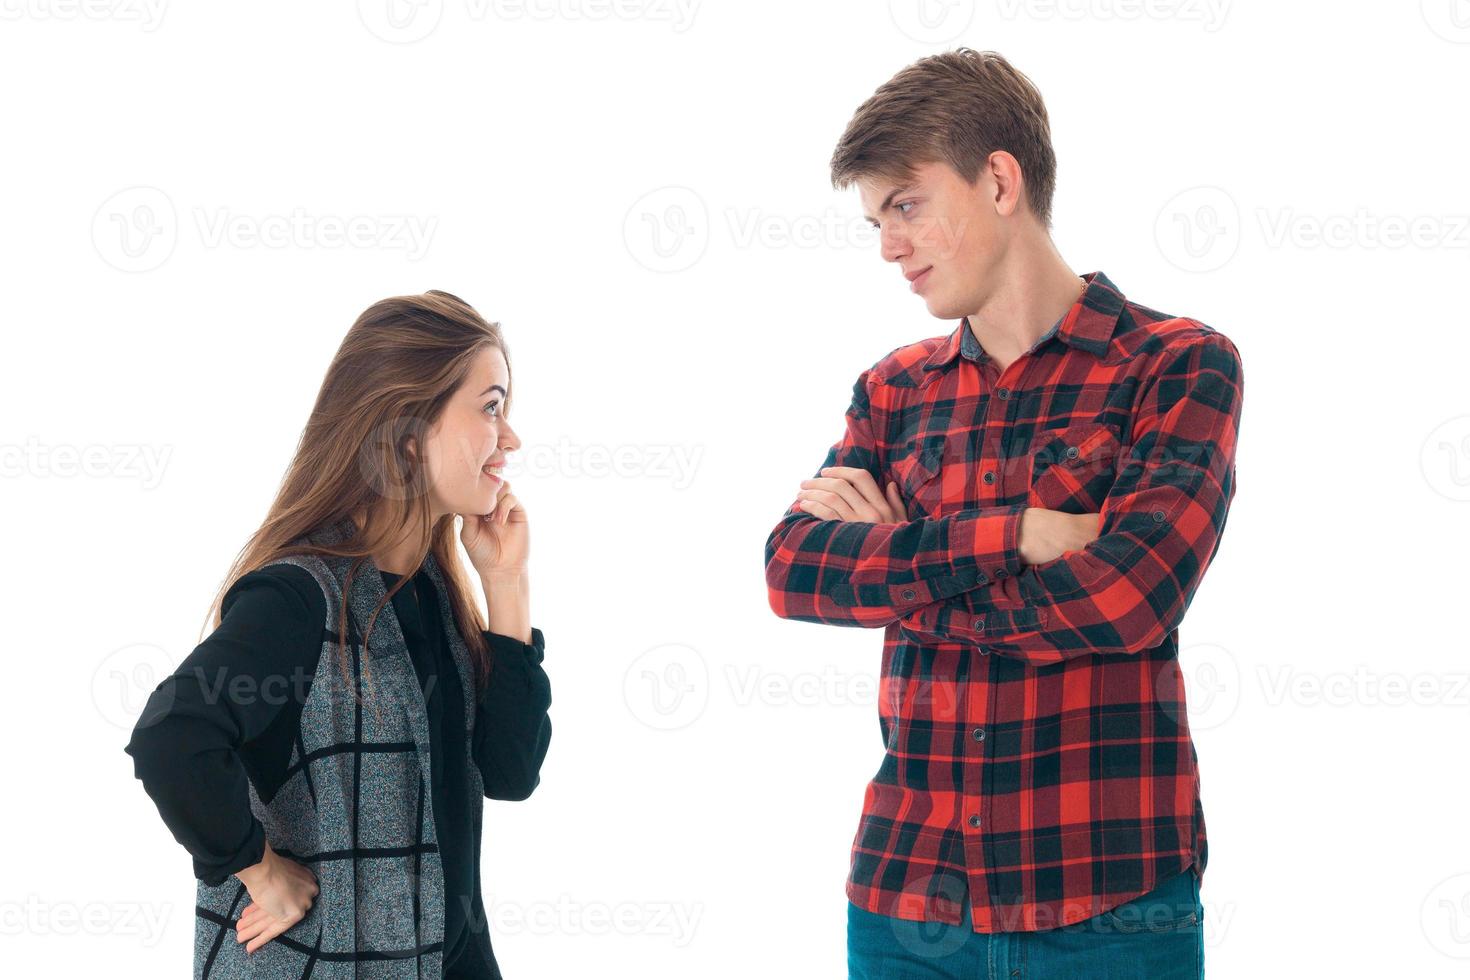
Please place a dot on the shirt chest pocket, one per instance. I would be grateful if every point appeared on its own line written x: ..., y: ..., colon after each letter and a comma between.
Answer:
x: 1073, y: 469
x: 916, y: 468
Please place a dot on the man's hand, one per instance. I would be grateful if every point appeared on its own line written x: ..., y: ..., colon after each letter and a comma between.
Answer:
x: 1046, y: 535
x: 848, y: 493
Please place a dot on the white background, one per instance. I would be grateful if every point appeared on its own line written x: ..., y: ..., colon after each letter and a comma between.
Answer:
x: 1292, y: 175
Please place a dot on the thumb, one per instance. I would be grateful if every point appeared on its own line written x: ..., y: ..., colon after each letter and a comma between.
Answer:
x: 896, y: 500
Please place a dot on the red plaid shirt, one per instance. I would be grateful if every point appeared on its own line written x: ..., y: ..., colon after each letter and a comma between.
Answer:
x: 1036, y: 750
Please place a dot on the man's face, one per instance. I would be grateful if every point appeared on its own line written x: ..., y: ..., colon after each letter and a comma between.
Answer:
x: 946, y: 236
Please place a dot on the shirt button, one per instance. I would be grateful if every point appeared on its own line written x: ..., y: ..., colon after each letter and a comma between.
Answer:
x: 978, y: 625
x: 974, y: 820
x: 1004, y: 393
x: 908, y: 593
x: 1072, y: 452
x: 978, y: 734
x: 989, y: 476
x: 1001, y: 573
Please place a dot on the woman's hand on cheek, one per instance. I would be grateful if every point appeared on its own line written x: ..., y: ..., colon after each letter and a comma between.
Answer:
x: 498, y: 542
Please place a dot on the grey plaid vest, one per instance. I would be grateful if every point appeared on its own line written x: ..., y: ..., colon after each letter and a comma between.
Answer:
x: 355, y: 807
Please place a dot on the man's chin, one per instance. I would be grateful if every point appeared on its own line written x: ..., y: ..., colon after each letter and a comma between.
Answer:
x: 941, y: 310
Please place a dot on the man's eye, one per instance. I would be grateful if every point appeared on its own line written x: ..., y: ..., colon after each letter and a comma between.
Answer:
x: 905, y: 204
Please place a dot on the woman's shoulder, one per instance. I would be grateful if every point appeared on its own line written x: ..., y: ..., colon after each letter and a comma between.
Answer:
x: 282, y: 593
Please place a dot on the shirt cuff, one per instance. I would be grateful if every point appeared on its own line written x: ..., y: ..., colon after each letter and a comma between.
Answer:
x: 249, y: 854
x: 515, y: 669
x: 535, y: 651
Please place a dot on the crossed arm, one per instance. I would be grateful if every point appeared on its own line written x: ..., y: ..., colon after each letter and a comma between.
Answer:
x: 960, y: 577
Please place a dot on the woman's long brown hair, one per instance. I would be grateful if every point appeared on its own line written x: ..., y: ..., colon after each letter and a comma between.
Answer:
x: 389, y: 382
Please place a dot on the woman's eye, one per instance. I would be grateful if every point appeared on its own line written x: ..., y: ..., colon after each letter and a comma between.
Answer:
x: 493, y: 408
x: 905, y: 204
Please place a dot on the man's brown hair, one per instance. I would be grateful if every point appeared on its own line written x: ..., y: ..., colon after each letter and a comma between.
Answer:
x: 956, y: 107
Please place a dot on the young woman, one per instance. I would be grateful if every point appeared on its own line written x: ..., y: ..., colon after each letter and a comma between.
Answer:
x: 324, y: 754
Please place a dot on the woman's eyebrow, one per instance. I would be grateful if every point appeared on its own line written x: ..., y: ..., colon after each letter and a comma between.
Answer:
x: 490, y: 389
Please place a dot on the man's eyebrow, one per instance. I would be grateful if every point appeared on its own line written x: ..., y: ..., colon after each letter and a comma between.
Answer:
x: 889, y: 199
x: 490, y: 389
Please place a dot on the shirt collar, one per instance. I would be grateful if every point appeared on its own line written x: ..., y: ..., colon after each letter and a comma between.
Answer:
x: 1088, y: 325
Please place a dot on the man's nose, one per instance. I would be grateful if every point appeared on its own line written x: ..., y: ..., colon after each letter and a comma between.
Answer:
x: 893, y: 246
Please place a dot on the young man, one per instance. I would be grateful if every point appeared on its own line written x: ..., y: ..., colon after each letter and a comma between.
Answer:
x: 1027, y: 506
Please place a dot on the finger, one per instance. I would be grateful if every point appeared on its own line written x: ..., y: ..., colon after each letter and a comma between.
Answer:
x: 833, y: 502
x: 895, y: 501
x: 819, y: 510
x: 275, y: 928
x: 852, y: 505
x: 245, y: 931
x: 862, y: 481
x: 508, y: 504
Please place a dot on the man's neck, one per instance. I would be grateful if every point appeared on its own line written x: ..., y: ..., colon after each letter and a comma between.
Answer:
x: 1035, y: 288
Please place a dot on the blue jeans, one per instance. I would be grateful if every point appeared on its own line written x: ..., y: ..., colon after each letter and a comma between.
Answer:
x: 1157, y: 936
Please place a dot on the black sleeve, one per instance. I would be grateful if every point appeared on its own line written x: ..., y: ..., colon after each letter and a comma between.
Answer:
x: 254, y: 668
x: 512, y: 728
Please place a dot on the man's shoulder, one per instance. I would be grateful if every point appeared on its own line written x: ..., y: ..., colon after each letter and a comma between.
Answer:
x: 903, y: 367
x: 1143, y: 330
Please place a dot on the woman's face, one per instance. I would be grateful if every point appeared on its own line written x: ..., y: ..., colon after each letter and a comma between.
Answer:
x: 465, y: 449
